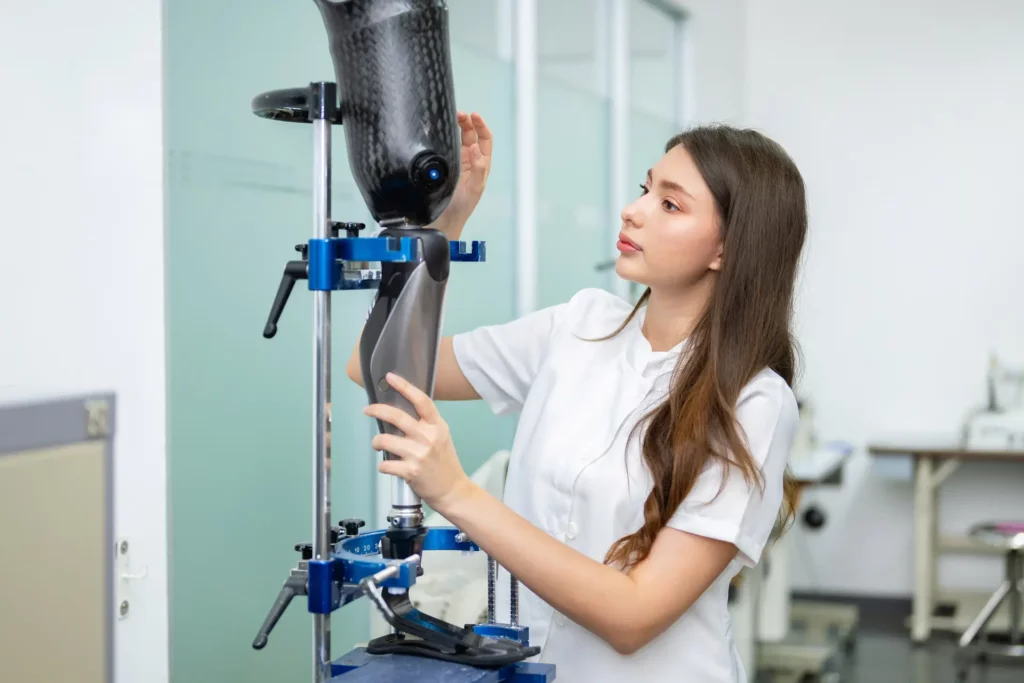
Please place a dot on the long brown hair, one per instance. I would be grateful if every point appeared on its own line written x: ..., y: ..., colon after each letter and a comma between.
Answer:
x: 762, y: 215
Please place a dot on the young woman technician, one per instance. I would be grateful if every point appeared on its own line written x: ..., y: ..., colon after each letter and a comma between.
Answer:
x: 649, y: 462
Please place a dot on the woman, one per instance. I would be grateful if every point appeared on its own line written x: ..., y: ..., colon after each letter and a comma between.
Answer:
x: 649, y: 462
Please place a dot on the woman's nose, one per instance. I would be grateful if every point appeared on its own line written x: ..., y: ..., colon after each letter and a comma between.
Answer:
x: 633, y: 214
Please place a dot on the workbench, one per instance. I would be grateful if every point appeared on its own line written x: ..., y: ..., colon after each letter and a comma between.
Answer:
x: 934, y: 462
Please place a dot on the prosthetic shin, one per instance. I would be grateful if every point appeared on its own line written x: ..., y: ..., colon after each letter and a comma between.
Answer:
x: 401, y: 335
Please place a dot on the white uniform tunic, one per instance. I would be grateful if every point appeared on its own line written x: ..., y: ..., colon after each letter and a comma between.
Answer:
x: 573, y: 474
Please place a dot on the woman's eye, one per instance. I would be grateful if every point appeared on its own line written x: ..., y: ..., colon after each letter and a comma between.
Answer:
x: 669, y: 206
x: 643, y: 190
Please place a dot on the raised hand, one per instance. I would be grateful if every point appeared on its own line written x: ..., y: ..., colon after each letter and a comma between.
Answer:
x: 477, y: 146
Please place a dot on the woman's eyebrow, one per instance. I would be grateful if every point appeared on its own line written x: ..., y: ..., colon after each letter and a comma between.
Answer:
x: 670, y: 185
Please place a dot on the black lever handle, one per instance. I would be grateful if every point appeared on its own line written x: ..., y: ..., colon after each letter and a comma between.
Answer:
x: 294, y: 270
x: 294, y: 585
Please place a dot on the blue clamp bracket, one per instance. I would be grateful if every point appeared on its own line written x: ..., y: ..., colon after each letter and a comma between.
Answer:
x: 327, y: 256
x: 520, y: 634
x: 358, y: 557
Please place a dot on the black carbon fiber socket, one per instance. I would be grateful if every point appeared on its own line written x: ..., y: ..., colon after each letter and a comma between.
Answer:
x: 392, y: 63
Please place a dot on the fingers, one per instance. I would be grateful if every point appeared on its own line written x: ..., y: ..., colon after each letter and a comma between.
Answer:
x: 425, y: 408
x: 399, y: 445
x: 396, y: 417
x: 469, y: 133
x: 483, y: 134
x: 397, y: 468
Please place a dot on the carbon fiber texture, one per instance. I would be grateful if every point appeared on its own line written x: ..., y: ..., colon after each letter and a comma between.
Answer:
x: 392, y: 63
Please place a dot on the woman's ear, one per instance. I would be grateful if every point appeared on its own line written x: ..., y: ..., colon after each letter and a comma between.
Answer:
x: 716, y: 263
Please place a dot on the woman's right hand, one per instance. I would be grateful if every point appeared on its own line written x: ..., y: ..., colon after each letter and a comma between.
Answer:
x: 477, y: 144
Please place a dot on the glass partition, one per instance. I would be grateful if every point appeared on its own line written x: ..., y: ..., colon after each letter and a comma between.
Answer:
x: 574, y: 233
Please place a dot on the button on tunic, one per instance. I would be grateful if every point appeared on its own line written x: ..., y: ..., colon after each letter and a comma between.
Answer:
x: 576, y: 471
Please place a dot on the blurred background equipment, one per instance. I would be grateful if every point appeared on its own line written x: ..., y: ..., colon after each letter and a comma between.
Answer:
x: 1000, y: 425
x: 59, y: 596
x: 1009, y: 538
x: 796, y: 639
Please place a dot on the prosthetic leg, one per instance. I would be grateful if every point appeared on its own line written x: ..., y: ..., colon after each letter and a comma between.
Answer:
x: 395, y: 100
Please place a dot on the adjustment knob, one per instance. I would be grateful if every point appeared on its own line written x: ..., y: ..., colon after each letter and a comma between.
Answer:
x: 814, y: 518
x: 352, y: 526
x: 351, y: 229
x: 304, y: 250
x: 306, y: 549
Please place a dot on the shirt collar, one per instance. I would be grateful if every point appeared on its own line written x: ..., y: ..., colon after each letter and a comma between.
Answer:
x: 639, y: 353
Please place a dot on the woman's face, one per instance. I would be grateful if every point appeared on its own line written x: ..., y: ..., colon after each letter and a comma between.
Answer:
x: 670, y: 238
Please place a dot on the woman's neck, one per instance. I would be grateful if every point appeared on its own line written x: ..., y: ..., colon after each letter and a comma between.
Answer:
x: 671, y: 316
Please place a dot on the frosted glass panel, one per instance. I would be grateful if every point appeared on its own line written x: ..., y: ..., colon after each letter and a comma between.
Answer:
x: 574, y: 230
x: 572, y: 43
x: 240, y: 413
x: 653, y: 66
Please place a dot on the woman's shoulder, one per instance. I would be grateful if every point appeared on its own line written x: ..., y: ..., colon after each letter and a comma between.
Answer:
x: 771, y: 398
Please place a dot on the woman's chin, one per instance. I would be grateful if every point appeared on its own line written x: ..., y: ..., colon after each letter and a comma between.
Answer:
x: 627, y: 271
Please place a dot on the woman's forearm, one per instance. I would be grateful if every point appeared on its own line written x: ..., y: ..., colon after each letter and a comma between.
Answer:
x: 594, y: 595
x: 625, y: 610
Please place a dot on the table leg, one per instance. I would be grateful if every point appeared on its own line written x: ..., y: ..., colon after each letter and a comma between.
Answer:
x: 924, y: 550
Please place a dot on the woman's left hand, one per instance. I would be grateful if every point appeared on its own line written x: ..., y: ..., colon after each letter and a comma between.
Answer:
x: 428, y: 462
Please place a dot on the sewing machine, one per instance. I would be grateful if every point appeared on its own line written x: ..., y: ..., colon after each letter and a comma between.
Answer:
x: 1000, y: 425
x: 394, y: 97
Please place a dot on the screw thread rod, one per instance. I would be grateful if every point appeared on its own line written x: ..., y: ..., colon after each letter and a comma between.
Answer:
x: 514, y: 602
x: 492, y: 583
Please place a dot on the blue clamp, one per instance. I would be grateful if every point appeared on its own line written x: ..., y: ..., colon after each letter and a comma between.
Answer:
x: 476, y: 253
x: 358, y: 557
x: 328, y: 256
x: 518, y: 633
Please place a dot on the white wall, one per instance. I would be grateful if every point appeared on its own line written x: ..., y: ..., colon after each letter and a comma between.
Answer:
x: 81, y: 254
x: 905, y: 118
x: 716, y: 50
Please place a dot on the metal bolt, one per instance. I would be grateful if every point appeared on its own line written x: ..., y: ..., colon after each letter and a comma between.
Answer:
x: 124, y: 608
x: 124, y: 547
x: 461, y: 537
x: 514, y: 602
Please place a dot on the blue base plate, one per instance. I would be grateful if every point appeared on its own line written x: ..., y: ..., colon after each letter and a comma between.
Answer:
x: 359, y: 667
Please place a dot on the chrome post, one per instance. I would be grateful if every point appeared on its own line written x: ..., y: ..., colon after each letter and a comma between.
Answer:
x: 321, y: 394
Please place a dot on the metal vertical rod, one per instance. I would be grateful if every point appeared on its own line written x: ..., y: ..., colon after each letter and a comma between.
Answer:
x: 492, y: 586
x: 1014, y: 562
x: 619, y: 182
x: 321, y: 394
x: 525, y: 52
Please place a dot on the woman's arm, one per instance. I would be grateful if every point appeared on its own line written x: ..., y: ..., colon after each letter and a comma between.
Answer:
x: 450, y: 384
x: 625, y: 610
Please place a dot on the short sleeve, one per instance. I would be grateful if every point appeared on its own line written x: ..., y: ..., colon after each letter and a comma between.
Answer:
x: 743, y: 513
x: 502, y: 361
